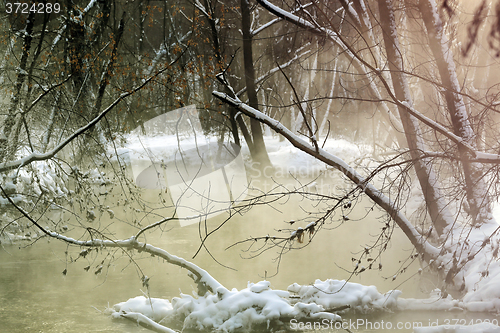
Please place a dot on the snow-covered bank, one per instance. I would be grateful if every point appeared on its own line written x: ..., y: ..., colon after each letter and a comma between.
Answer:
x: 286, y: 159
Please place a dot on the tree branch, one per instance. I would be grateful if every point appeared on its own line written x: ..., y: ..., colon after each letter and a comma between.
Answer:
x: 421, y: 245
x: 360, y: 63
x: 276, y: 69
x: 45, y: 156
x: 204, y: 280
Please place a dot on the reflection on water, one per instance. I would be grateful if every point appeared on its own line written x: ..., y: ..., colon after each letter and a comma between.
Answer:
x: 35, y: 296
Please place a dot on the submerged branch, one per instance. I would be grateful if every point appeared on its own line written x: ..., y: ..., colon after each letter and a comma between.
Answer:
x: 146, y: 322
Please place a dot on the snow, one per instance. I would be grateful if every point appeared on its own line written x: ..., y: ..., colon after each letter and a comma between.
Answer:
x: 153, y: 308
x: 233, y: 310
x: 259, y: 303
x: 288, y: 160
x: 333, y: 294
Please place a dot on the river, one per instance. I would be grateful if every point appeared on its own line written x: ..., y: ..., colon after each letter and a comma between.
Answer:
x: 35, y: 295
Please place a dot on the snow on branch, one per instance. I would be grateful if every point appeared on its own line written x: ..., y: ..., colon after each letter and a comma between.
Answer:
x: 361, y: 65
x: 238, y: 311
x: 276, y: 20
x: 204, y: 280
x: 202, y: 9
x: 371, y: 191
x: 287, y: 16
x: 44, y: 93
x: 265, y: 26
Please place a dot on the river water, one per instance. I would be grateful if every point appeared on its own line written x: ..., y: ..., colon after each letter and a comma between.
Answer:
x: 35, y: 295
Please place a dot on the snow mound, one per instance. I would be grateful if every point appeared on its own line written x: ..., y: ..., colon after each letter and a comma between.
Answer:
x: 226, y: 311
x: 254, y: 305
x: 153, y: 308
x: 333, y: 294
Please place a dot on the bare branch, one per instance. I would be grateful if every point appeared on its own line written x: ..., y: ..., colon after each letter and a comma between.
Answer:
x: 373, y: 193
x: 45, y: 156
x: 276, y: 69
x: 199, y: 275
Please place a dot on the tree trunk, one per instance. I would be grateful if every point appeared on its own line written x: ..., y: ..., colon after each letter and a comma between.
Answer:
x: 259, y: 153
x: 8, y: 137
x: 436, y: 207
x: 219, y: 62
x: 476, y: 189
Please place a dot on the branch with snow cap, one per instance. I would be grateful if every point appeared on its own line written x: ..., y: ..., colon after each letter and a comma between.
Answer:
x: 373, y: 193
x: 203, y: 279
x: 276, y: 20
